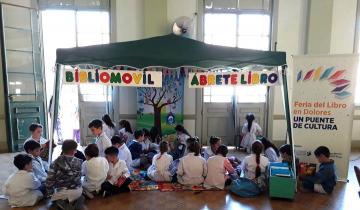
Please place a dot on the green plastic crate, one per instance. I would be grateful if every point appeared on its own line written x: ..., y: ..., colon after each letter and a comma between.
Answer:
x: 282, y: 187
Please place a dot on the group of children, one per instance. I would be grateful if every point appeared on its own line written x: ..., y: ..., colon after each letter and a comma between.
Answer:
x: 106, y: 170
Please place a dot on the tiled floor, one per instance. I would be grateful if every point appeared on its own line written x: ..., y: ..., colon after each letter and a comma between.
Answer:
x: 344, y: 197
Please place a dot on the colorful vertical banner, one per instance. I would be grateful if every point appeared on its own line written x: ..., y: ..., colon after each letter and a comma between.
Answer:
x: 162, y: 107
x: 322, y: 107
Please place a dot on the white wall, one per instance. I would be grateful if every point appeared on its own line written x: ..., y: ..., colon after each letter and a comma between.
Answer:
x: 320, y: 24
x: 291, y: 36
x: 175, y: 9
x: 343, y: 26
x: 129, y: 16
x: 144, y: 18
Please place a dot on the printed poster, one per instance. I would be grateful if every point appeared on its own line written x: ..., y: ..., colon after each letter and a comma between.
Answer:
x: 322, y: 107
x: 162, y: 107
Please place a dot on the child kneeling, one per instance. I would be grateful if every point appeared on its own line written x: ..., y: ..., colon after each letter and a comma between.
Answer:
x: 117, y: 180
x: 324, y: 180
x: 22, y: 186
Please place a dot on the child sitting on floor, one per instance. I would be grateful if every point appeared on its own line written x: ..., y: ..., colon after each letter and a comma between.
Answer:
x: 36, y: 131
x: 102, y: 141
x: 159, y: 170
x: 119, y: 142
x: 117, y: 180
x: 64, y: 178
x: 33, y: 148
x: 210, y: 151
x: 324, y: 180
x: 138, y: 158
x: 94, y: 169
x: 218, y: 168
x: 270, y: 150
x: 22, y: 186
x: 192, y: 167
x: 254, y: 166
x: 286, y: 154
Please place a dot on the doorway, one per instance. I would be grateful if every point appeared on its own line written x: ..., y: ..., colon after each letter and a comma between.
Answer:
x: 77, y: 104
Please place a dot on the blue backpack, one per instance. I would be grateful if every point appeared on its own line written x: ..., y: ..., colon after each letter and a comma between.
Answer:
x: 244, y: 188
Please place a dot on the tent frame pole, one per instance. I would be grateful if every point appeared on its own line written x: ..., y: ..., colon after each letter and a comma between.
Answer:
x: 55, y: 109
x: 285, y: 94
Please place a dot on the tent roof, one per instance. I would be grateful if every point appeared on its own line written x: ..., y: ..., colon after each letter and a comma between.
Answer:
x: 168, y: 51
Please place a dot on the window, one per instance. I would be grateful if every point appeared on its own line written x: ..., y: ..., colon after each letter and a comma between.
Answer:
x: 74, y: 28
x: 243, y: 24
x: 222, y: 94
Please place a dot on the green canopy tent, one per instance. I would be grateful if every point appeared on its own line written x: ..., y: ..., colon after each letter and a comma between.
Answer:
x: 169, y: 51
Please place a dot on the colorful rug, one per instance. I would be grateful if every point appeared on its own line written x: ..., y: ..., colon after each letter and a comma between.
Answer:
x: 140, y: 183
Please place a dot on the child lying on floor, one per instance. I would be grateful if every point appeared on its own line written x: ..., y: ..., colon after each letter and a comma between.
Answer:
x: 324, y: 180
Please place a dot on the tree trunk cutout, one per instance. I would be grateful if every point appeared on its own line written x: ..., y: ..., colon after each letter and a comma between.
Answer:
x: 159, y: 98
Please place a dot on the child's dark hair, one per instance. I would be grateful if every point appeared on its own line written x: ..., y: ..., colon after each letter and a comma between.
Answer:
x: 213, y: 140
x: 31, y: 146
x: 112, y: 151
x: 180, y: 128
x: 68, y: 146
x: 21, y: 160
x: 164, y: 147
x: 154, y: 134
x: 117, y: 140
x: 257, y: 148
x: 191, y: 140
x: 125, y: 124
x: 92, y: 150
x: 322, y: 150
x: 107, y: 120
x: 146, y: 132
x: 96, y: 124
x: 138, y: 133
x: 286, y: 148
x: 34, y: 126
x: 250, y: 118
x: 223, y: 150
x: 194, y: 147
x: 266, y: 143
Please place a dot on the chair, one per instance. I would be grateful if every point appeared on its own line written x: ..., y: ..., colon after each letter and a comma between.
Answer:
x: 357, y: 173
